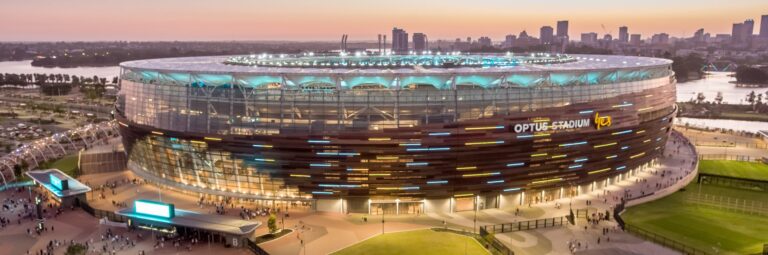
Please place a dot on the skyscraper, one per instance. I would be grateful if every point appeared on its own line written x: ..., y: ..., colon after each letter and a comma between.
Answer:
x: 547, y: 35
x: 749, y: 29
x: 635, y: 39
x: 764, y: 26
x: 624, y: 34
x: 736, y: 32
x: 589, y: 38
x: 562, y: 29
x: 399, y: 41
x: 420, y: 42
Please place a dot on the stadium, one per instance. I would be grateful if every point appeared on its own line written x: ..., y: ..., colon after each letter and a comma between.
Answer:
x: 394, y: 133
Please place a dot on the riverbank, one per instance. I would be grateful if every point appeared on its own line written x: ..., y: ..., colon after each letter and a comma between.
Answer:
x: 723, y: 111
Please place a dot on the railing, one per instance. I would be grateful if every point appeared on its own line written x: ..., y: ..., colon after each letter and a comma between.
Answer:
x: 525, y: 225
x: 253, y: 247
x: 497, y: 245
x: 99, y: 214
x: 730, y: 157
x: 733, y: 182
x: 16, y: 185
x: 729, y: 203
x: 661, y: 240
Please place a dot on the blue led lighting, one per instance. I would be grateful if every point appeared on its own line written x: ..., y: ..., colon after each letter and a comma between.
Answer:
x: 515, y: 164
x: 580, y: 160
x: 417, y: 164
x: 320, y: 164
x: 55, y: 181
x: 440, y: 134
x: 152, y: 208
x: 574, y: 166
x: 339, y: 185
x: 262, y: 146
x: 625, y: 104
x: 437, y: 182
x: 410, y: 144
x: 624, y: 147
x: 524, y: 136
x: 410, y: 188
x: 318, y: 141
x: 322, y: 192
x: 429, y: 149
x: 574, y: 144
x: 621, y: 167
x: 586, y: 112
x: 495, y: 181
x: 623, y: 132
x: 511, y: 189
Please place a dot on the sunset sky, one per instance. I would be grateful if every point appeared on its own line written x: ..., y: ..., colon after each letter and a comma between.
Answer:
x: 69, y: 20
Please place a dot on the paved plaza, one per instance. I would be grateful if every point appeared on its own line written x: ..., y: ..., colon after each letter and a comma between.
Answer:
x: 325, y: 233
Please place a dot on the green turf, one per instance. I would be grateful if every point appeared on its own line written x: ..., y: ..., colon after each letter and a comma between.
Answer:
x: 66, y: 164
x: 704, y: 227
x: 741, y: 169
x: 416, y: 242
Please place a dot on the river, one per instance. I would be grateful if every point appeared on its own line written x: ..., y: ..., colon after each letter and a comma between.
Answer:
x: 712, y: 83
x: 742, y: 125
x: 26, y: 67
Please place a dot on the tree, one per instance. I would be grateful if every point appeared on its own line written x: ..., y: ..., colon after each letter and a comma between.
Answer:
x: 272, y: 223
x: 746, y: 74
x: 76, y: 249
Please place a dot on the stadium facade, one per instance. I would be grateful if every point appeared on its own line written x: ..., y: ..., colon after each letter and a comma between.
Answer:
x: 394, y: 133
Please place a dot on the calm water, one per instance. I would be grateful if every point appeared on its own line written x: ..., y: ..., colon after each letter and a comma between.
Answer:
x: 749, y: 126
x: 713, y: 83
x: 25, y: 67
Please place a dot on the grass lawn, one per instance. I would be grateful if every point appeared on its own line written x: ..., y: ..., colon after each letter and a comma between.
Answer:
x: 66, y: 164
x: 741, y: 169
x: 416, y: 242
x: 703, y: 227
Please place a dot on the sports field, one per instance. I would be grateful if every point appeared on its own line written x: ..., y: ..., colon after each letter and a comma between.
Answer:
x: 706, y: 228
x: 740, y: 169
x: 416, y: 242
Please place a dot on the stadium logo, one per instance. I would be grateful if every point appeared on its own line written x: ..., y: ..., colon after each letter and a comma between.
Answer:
x: 604, y: 121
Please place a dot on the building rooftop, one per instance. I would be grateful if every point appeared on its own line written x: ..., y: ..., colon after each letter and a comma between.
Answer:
x: 208, y: 222
x: 400, y: 64
x: 43, y: 177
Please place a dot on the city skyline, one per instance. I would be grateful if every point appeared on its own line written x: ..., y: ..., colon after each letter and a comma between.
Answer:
x: 327, y: 20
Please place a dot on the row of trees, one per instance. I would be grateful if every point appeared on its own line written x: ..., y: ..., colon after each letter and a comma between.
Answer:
x: 685, y: 66
x: 747, y: 74
x: 59, y: 84
x: 41, y: 78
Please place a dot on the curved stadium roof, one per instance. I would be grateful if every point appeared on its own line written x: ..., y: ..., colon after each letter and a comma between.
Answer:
x: 390, y: 71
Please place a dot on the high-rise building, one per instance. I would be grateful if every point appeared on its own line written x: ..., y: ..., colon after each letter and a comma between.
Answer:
x: 624, y: 34
x: 662, y: 38
x: 635, y: 39
x: 699, y: 35
x: 764, y: 26
x: 589, y: 38
x: 749, y: 29
x: 399, y: 41
x: 736, y: 32
x: 509, y: 41
x: 420, y: 42
x: 547, y: 35
x: 562, y: 29
x: 484, y: 41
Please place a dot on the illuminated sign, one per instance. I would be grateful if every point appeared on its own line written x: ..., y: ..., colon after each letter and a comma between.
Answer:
x: 554, y: 125
x: 604, y: 121
x: 152, y: 208
x: 59, y: 182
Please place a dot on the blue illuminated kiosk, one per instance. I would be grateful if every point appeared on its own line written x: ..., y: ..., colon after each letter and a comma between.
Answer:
x: 165, y: 219
x: 60, y: 187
